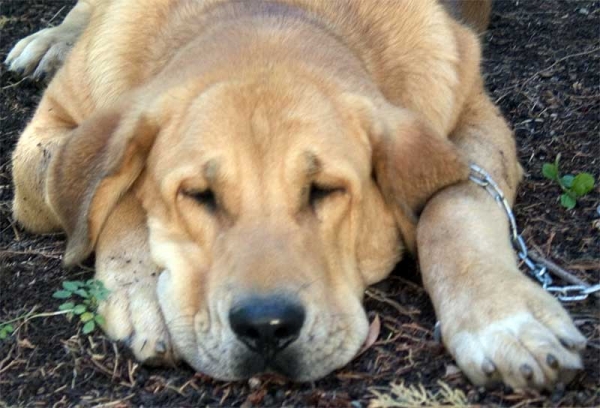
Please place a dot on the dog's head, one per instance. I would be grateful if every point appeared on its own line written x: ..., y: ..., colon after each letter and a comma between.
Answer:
x: 271, y: 203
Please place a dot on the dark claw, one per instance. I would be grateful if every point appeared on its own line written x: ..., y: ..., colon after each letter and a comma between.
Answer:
x: 552, y: 361
x: 20, y: 71
x: 128, y: 340
x: 161, y: 347
x: 437, y: 332
x: 527, y: 371
x: 488, y: 367
x: 41, y: 76
x: 573, y: 344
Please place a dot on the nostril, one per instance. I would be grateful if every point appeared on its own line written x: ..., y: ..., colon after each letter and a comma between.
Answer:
x: 282, y: 333
x: 251, y: 333
x: 267, y: 324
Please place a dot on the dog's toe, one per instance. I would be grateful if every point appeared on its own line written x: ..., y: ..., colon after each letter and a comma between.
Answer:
x: 26, y: 55
x: 52, y: 60
x: 536, y: 348
x: 133, y: 316
x: 40, y: 54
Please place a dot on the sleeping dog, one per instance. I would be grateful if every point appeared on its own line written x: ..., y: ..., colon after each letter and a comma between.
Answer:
x: 243, y: 170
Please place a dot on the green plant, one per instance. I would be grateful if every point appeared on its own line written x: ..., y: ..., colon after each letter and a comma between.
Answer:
x: 5, y: 330
x: 84, y: 300
x: 86, y: 297
x: 573, y: 187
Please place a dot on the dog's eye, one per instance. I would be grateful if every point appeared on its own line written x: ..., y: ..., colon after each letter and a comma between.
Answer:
x: 205, y: 197
x: 319, y: 193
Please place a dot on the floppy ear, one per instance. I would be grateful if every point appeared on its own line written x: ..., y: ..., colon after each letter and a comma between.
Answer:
x: 410, y: 162
x: 95, y: 166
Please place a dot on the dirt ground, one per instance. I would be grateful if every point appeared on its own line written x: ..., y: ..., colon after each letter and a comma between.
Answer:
x: 542, y: 65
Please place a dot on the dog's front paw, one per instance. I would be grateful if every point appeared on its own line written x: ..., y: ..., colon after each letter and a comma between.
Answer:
x: 521, y: 337
x: 42, y: 53
x: 133, y: 315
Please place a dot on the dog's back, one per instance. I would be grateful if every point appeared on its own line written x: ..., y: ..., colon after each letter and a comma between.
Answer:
x: 129, y: 41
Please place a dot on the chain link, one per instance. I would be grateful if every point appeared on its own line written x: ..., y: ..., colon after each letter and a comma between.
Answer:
x: 569, y: 293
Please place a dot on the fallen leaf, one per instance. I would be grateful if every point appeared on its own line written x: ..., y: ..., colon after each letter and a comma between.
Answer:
x: 451, y: 370
x: 372, y: 335
x: 254, y: 383
x: 25, y: 343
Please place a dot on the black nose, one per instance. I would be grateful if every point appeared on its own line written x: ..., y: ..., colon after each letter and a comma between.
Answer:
x: 267, y: 325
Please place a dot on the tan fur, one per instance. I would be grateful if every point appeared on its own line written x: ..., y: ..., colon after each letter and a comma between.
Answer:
x: 475, y: 13
x: 380, y: 102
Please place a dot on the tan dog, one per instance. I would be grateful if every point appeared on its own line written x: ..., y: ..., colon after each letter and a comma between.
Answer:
x: 244, y: 170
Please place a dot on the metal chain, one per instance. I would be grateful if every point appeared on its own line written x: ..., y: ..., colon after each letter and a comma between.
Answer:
x: 569, y: 293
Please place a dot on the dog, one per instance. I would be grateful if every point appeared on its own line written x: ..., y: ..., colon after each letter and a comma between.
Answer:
x: 244, y: 170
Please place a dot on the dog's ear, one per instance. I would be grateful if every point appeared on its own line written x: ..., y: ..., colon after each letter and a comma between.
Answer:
x: 410, y: 161
x: 95, y: 166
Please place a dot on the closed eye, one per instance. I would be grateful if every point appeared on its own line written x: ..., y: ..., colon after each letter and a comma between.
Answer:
x: 319, y: 193
x: 206, y: 198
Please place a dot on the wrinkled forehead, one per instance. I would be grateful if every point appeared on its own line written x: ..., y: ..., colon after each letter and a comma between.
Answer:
x: 263, y: 125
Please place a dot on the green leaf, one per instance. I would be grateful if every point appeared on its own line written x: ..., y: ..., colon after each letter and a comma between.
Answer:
x: 103, y: 295
x: 88, y: 327
x: 62, y: 294
x: 98, y: 290
x: 86, y: 317
x: 81, y: 292
x: 567, y: 181
x: 100, y: 320
x: 70, y: 286
x: 79, y: 309
x: 550, y: 171
x: 567, y: 201
x: 5, y: 331
x: 583, y: 183
x: 67, y: 306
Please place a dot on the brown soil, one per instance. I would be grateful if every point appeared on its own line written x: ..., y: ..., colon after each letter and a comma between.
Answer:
x: 542, y: 67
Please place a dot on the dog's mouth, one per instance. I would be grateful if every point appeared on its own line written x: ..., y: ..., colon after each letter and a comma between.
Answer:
x: 285, y: 364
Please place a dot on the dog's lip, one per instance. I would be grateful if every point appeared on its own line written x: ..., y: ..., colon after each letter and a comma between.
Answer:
x: 259, y: 365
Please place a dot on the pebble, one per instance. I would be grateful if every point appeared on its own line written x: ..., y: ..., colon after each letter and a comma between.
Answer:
x: 254, y: 383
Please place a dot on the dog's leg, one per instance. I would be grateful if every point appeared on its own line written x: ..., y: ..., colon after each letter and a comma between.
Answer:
x: 123, y: 264
x: 498, y: 324
x: 30, y: 162
x: 45, y: 51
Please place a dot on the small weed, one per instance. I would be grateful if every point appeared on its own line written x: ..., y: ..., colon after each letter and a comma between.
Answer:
x: 84, y: 300
x: 573, y: 187
x: 85, y: 296
x: 5, y: 330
